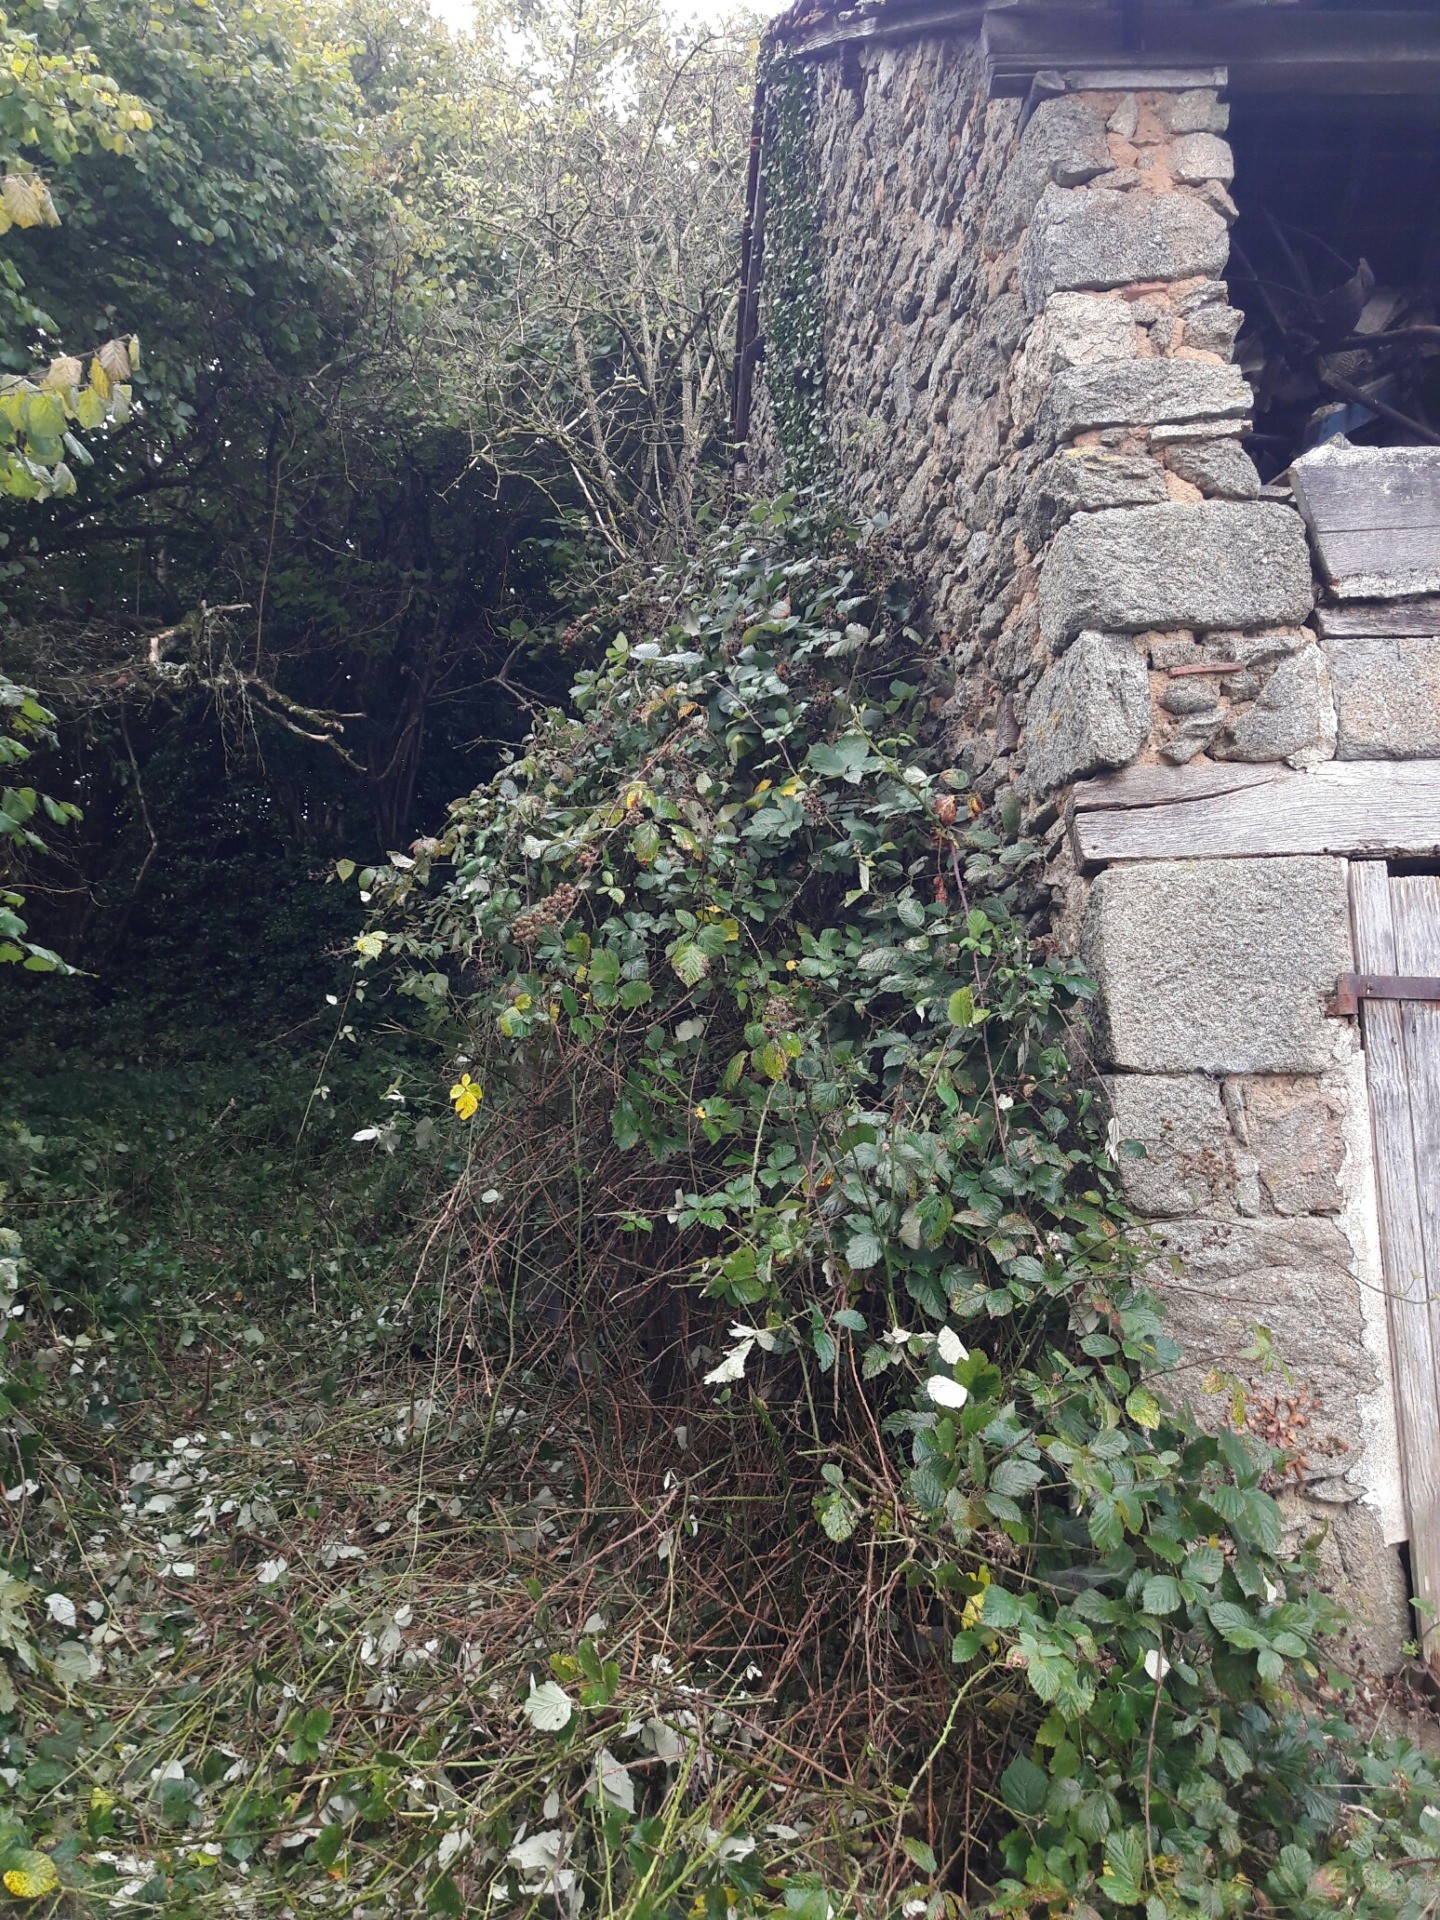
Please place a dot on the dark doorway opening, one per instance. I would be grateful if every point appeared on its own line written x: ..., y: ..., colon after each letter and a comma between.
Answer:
x: 1335, y: 261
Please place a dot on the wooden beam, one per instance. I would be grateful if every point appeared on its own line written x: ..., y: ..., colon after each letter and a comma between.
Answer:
x: 1373, y: 808
x: 1155, y: 786
x: 1266, y: 49
x: 1381, y: 619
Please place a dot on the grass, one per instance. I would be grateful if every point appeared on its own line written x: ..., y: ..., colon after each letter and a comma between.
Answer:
x: 297, y: 1583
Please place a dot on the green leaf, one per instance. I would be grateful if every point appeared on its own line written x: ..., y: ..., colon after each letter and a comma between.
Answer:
x: 962, y: 1011
x: 689, y: 962
x: 838, y: 1512
x: 863, y: 1250
x: 1024, y: 1787
x: 444, y: 1898
x: 1124, y: 1870
x: 1002, y: 1608
x: 920, y: 1855
x: 1161, y: 1594
x: 1015, y: 1477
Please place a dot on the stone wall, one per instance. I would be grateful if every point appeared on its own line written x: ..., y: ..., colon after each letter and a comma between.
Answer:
x: 1028, y: 364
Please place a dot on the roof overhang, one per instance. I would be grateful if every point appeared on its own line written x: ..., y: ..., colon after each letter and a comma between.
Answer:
x: 1254, y: 49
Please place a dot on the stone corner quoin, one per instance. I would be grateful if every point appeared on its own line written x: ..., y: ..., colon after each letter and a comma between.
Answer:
x: 1219, y: 966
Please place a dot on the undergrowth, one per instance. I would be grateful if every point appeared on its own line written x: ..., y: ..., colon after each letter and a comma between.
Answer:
x: 718, y: 1466
x: 781, y: 1145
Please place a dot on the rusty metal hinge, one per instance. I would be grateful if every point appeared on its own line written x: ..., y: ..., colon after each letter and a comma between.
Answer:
x: 1352, y: 988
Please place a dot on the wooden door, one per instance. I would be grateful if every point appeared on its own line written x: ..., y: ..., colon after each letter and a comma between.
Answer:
x: 1397, y: 933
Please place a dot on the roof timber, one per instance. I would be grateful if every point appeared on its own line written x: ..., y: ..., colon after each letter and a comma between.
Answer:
x: 1265, y: 49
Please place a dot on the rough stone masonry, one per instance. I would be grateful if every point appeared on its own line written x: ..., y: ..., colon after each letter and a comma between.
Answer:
x: 1028, y: 365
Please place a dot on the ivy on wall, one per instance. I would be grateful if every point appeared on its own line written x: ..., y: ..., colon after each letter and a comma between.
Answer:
x: 792, y: 301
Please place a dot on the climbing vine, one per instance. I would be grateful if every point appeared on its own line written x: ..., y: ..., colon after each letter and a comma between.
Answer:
x: 792, y: 297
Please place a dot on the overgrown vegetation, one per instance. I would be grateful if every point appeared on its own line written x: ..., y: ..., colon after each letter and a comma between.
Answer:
x: 595, y: 1364
x: 782, y: 1137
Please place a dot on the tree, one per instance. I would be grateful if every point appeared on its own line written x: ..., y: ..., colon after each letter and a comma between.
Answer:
x: 435, y: 333
x: 607, y: 172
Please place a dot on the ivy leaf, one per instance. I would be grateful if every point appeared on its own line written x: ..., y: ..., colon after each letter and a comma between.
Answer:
x: 31, y: 1875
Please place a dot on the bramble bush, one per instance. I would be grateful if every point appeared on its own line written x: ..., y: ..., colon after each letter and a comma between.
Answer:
x: 780, y: 1146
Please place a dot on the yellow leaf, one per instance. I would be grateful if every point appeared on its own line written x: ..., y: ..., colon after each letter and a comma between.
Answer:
x: 64, y: 371
x: 467, y: 1097
x: 370, y: 945
x: 99, y: 379
x: 31, y: 1876
x: 22, y: 202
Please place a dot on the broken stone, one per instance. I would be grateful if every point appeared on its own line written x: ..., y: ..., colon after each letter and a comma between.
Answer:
x: 1295, y: 1129
x: 1260, y: 649
x: 1218, y: 966
x: 1220, y: 563
x: 1220, y: 468
x: 1218, y: 196
x: 1197, y: 157
x: 1076, y: 329
x: 1387, y: 698
x: 1090, y: 712
x: 1192, y: 694
x: 1126, y: 117
x: 1198, y: 111
x: 1173, y: 650
x: 1127, y: 393
x: 1293, y: 719
x: 1213, y: 328
x: 1085, y: 480
x: 1064, y: 140
x: 1177, y: 1119
x: 1096, y: 238
x: 1192, y: 736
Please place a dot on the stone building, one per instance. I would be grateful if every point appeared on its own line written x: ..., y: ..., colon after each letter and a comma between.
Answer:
x: 1126, y: 315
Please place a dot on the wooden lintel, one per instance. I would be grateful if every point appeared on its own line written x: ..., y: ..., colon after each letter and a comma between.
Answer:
x: 1370, y: 808
x: 1382, y: 620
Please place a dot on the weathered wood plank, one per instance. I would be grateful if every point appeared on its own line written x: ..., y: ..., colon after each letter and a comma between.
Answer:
x: 1402, y: 1179
x: 1364, y: 807
x: 1374, y: 515
x: 1385, y: 619
x: 1151, y: 786
x: 1415, y: 911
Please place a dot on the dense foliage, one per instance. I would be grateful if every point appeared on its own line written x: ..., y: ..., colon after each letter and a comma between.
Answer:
x: 434, y: 332
x: 766, y: 1084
